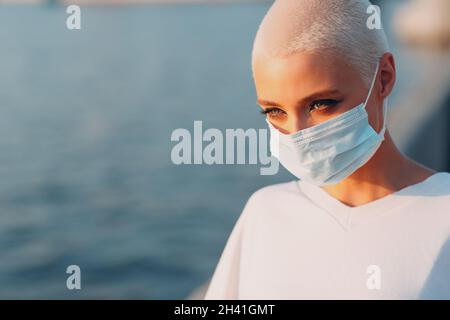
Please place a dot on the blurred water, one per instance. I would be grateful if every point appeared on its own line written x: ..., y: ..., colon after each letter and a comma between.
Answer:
x: 86, y: 176
x: 85, y: 125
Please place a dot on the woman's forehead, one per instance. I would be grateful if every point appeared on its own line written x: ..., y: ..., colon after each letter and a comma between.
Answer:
x: 308, y: 69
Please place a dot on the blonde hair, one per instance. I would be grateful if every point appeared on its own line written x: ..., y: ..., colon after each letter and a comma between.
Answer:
x: 339, y: 26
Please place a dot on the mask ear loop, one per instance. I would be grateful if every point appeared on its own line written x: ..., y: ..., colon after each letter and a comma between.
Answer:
x: 383, y: 130
x: 372, y: 85
x: 385, y: 109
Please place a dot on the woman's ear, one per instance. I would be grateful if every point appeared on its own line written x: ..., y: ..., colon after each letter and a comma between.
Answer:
x: 388, y: 74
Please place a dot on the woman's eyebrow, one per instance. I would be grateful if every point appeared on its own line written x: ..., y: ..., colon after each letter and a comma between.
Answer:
x: 311, y: 97
x: 267, y: 103
x: 320, y: 95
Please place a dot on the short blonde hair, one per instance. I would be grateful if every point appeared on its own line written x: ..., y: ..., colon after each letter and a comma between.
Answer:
x: 291, y: 26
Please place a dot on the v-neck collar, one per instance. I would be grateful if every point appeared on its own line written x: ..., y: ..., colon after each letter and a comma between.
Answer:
x: 349, y: 217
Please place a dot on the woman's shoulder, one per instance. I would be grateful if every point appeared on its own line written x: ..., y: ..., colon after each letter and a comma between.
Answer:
x: 442, y: 177
x: 438, y: 184
x: 276, y: 190
x: 269, y: 201
x: 275, y: 195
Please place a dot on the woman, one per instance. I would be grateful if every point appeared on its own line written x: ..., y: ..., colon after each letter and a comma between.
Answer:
x: 363, y: 221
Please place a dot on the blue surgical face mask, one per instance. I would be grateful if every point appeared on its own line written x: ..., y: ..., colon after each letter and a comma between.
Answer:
x: 331, y: 151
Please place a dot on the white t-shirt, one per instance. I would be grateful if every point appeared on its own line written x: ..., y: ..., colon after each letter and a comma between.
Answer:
x: 295, y: 241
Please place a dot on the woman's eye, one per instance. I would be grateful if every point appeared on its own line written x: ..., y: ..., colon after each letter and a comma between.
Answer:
x: 322, y: 105
x: 273, y: 112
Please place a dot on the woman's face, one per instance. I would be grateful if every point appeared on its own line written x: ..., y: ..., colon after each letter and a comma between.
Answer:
x: 307, y: 88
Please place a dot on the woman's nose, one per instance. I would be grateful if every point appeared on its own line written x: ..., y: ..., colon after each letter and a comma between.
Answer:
x: 294, y: 125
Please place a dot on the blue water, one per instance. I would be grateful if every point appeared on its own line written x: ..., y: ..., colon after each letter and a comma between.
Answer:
x: 86, y: 176
x: 85, y: 125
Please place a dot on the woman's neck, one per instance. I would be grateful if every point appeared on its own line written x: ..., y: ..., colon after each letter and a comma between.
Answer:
x: 386, y: 172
